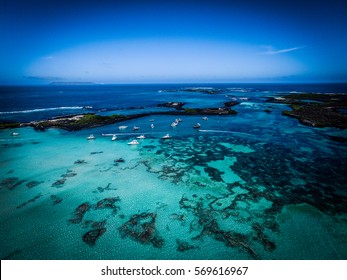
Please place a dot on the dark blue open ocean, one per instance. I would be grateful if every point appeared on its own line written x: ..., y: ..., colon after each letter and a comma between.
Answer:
x: 256, y: 185
x: 27, y: 103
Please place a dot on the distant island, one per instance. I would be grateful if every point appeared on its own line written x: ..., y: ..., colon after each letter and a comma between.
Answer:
x: 71, y: 83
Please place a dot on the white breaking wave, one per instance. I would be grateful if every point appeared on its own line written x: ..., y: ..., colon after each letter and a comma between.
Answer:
x: 42, y: 110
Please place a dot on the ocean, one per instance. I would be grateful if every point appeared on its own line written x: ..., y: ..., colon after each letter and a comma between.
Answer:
x: 256, y: 185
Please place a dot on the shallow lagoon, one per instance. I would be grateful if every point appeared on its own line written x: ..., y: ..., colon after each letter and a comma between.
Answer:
x: 251, y: 186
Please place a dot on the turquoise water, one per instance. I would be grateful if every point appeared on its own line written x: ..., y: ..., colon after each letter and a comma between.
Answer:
x: 251, y: 186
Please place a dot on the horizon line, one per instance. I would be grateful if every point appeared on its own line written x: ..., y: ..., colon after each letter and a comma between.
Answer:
x: 169, y: 83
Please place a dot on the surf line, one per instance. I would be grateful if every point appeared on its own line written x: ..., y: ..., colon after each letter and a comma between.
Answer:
x: 42, y: 110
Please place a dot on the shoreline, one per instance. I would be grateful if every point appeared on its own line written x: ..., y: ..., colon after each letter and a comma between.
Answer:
x: 310, y: 109
x: 91, y: 120
x: 314, y: 109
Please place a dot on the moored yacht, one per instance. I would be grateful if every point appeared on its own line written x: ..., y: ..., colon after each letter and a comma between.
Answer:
x: 197, y: 125
x: 167, y: 136
x: 122, y: 127
x: 133, y: 142
x: 114, y: 137
x: 141, y: 137
x: 91, y: 137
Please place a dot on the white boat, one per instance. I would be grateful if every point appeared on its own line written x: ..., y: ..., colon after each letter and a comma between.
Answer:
x: 141, y: 137
x: 197, y: 125
x: 122, y: 127
x: 91, y: 137
x: 114, y: 137
x: 178, y: 120
x: 134, y: 142
x: 174, y: 124
x: 167, y: 136
x: 152, y: 125
x: 14, y: 134
x: 151, y: 120
x: 136, y: 128
x: 204, y: 118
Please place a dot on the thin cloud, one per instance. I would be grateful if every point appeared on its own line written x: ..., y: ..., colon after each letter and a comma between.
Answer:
x: 271, y: 51
x: 48, y: 57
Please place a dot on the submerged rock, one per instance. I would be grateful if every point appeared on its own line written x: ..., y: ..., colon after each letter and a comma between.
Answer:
x: 107, y: 188
x: 56, y: 199
x: 29, y: 201
x: 13, y: 145
x: 11, y: 183
x: 80, y: 161
x: 183, y: 246
x: 59, y: 183
x: 32, y: 184
x: 98, y: 225
x: 141, y: 228
x: 214, y: 174
x: 262, y: 238
x: 79, y: 213
x: 95, y: 153
x: 108, y: 203
x: 93, y: 235
x: 69, y: 173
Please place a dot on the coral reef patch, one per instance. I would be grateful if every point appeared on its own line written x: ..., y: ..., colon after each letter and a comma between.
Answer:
x: 141, y: 228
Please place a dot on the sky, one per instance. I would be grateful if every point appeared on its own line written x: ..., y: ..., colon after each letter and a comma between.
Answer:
x: 177, y: 41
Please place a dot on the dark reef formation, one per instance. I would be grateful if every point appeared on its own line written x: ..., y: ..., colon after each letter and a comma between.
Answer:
x: 92, y: 236
x: 183, y: 246
x: 11, y: 183
x: 32, y: 200
x: 79, y: 213
x: 107, y: 188
x: 272, y: 177
x: 141, y: 228
x: 108, y: 203
x: 56, y: 199
x: 97, y: 228
x: 32, y: 184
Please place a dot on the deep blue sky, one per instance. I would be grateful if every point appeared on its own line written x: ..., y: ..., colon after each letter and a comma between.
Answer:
x: 132, y: 41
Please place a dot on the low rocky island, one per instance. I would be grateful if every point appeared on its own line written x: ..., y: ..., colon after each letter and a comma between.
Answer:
x: 176, y: 105
x: 315, y: 109
x: 207, y: 90
x: 92, y: 120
